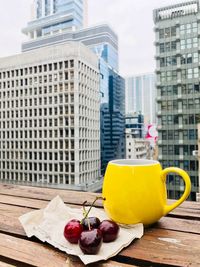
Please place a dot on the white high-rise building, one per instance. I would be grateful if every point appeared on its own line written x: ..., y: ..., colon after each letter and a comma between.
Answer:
x: 50, y: 118
x: 141, y: 96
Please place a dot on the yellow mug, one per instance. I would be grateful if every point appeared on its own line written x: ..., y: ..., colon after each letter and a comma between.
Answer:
x: 135, y: 191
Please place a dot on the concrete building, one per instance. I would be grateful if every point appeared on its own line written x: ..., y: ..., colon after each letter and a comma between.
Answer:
x: 136, y: 148
x: 50, y: 118
x: 177, y: 30
x: 141, y: 96
x: 135, y: 122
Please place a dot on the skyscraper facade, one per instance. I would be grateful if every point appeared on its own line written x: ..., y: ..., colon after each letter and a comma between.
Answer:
x: 50, y: 118
x: 178, y: 90
x: 103, y: 41
x: 54, y: 16
x: 113, y: 121
x: 141, y: 96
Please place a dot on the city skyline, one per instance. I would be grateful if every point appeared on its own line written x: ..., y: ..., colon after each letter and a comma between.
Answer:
x: 131, y: 37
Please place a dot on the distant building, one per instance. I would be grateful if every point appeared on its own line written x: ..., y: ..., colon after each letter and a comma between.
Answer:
x: 141, y: 96
x: 178, y: 90
x: 136, y: 148
x: 113, y: 121
x: 55, y: 16
x: 49, y: 118
x: 135, y: 122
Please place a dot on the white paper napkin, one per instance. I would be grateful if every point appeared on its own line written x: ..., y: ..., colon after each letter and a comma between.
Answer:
x: 48, y: 225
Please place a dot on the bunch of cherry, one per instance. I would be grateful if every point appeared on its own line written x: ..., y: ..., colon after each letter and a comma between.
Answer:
x: 90, y: 232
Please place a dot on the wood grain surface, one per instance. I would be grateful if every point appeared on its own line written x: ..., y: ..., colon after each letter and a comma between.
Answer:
x: 173, y: 241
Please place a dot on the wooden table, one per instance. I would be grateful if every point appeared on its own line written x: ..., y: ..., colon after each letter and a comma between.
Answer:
x: 173, y: 241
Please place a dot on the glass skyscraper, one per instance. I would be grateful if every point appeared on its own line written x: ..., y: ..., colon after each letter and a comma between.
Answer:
x: 54, y: 16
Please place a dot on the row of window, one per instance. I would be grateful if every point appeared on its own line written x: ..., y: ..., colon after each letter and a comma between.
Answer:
x: 176, y: 150
x: 190, y: 88
x: 171, y: 90
x: 37, y: 178
x: 188, y: 28
x: 185, y: 59
x: 189, y: 43
x: 168, y: 47
x: 171, y: 75
x: 20, y: 113
x: 62, y: 81
x: 41, y: 68
x: 189, y: 58
x: 56, y: 122
x: 174, y: 119
x: 185, y: 104
x: 190, y: 134
x: 48, y: 167
x: 188, y: 165
x: 61, y: 133
x: 167, y: 32
x: 190, y: 73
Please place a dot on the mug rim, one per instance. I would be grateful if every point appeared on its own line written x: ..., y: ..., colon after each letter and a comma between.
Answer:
x: 133, y: 162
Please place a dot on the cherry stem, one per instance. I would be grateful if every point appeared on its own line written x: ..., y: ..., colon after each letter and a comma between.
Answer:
x: 86, y: 213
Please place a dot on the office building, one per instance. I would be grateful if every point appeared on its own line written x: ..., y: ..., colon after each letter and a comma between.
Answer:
x: 136, y: 148
x: 54, y: 16
x: 135, y: 122
x: 50, y: 118
x: 103, y: 41
x: 178, y: 91
x: 141, y: 96
x: 113, y: 121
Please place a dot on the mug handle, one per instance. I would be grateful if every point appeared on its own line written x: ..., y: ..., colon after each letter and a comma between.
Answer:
x: 186, y: 193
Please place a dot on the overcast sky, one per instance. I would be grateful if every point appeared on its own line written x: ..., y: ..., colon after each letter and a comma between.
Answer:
x: 131, y: 20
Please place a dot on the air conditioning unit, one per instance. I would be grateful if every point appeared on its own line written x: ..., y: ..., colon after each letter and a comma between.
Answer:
x: 195, y: 153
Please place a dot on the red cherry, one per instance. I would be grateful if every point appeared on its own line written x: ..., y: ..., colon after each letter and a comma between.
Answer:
x: 90, y: 223
x: 90, y: 241
x: 109, y: 230
x: 73, y: 230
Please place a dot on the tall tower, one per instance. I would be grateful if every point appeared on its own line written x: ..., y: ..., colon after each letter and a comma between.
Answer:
x: 55, y: 16
x: 178, y: 90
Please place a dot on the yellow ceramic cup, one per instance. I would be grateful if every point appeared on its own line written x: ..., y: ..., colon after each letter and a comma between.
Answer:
x: 135, y: 191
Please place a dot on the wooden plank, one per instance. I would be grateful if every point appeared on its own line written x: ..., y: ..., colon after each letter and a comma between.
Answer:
x: 185, y: 213
x: 9, y: 222
x: 68, y: 196
x: 4, y: 264
x: 41, y: 255
x: 72, y: 197
x: 30, y: 252
x: 160, y: 250
x: 165, y: 247
x: 182, y: 225
x: 9, y: 216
